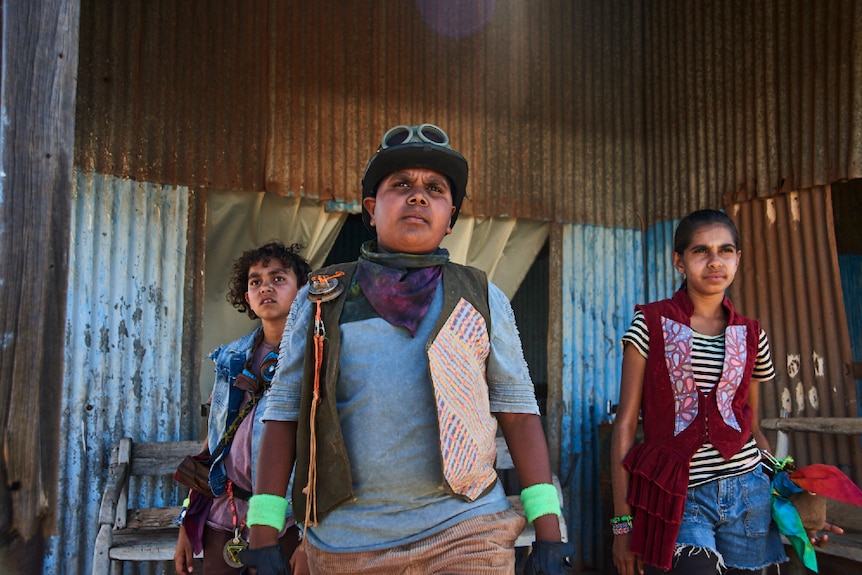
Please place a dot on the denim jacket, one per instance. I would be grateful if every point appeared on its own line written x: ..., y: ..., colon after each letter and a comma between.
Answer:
x: 226, y: 403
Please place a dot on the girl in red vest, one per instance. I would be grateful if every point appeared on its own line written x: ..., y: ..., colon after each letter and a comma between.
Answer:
x: 692, y: 497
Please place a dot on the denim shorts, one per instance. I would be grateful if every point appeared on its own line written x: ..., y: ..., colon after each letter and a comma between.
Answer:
x: 732, y: 517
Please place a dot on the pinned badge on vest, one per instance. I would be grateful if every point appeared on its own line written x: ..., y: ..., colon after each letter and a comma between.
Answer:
x: 325, y: 288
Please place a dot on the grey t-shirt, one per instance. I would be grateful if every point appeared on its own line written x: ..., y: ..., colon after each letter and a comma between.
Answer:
x: 388, y: 417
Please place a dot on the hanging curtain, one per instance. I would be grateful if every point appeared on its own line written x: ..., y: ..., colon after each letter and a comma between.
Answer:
x: 504, y: 248
x: 237, y: 221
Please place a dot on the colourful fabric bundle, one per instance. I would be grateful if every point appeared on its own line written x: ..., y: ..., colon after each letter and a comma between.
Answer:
x: 825, y: 480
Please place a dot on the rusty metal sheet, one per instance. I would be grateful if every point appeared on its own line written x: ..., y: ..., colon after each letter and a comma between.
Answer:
x: 789, y: 279
x: 567, y: 111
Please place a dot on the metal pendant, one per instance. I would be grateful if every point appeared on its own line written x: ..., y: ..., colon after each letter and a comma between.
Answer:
x: 232, y: 550
x: 322, y: 288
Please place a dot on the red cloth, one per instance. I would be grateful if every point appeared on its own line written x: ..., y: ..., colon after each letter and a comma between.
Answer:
x: 196, y: 519
x: 829, y: 481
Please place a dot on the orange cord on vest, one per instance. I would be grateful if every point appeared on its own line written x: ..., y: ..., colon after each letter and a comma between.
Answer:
x: 319, y: 336
x: 311, y: 486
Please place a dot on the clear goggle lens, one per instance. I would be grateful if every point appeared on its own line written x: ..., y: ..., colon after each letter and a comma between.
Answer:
x: 268, y: 365
x: 427, y: 133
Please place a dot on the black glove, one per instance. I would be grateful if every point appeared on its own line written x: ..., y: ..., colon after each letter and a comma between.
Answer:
x: 267, y: 560
x: 550, y: 559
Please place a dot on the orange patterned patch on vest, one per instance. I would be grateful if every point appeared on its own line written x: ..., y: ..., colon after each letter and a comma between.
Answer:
x: 456, y: 360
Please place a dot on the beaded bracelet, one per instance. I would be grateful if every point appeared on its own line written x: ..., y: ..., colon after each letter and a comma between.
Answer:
x: 621, y: 525
x: 622, y: 528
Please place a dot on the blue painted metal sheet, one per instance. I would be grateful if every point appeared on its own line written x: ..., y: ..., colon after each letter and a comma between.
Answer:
x: 124, y: 332
x: 851, y: 285
x: 662, y: 279
x: 603, y: 279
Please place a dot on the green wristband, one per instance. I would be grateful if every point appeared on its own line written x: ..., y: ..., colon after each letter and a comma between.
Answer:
x: 266, y: 509
x: 540, y: 499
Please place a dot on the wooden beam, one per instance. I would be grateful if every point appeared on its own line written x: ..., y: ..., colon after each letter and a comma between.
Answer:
x: 834, y: 425
x: 39, y: 47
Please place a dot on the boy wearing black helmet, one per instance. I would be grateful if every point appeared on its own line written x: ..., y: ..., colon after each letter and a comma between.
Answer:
x: 394, y: 372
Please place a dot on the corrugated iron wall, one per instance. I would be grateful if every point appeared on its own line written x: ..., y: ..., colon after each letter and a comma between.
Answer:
x: 124, y: 346
x: 175, y: 92
x: 661, y: 277
x: 539, y: 99
x: 600, y: 279
x: 745, y: 99
x: 602, y: 274
x: 573, y: 111
x: 543, y: 98
x: 789, y: 279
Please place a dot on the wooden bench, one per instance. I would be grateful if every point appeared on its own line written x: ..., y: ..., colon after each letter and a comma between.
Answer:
x: 846, y: 548
x: 130, y: 534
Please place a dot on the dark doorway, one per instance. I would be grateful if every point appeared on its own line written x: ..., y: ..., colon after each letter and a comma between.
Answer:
x: 531, y: 312
x: 350, y: 238
x: 848, y: 242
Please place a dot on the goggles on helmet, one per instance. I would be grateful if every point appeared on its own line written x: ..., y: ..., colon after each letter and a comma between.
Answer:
x: 423, y: 133
x: 422, y: 146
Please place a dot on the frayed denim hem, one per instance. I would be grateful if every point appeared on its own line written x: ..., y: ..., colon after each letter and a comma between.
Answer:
x: 720, y: 565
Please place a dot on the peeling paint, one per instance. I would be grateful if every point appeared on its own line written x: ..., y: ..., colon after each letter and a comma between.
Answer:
x: 818, y: 364
x: 793, y: 364
x: 104, y: 340
x: 800, y: 397
x: 786, y: 401
x: 770, y: 212
x: 121, y: 358
x: 813, y: 400
x: 8, y: 338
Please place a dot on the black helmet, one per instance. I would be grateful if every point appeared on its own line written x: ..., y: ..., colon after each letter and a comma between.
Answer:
x: 422, y: 146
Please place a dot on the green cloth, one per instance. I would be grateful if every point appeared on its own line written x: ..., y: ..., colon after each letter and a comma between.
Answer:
x: 789, y: 523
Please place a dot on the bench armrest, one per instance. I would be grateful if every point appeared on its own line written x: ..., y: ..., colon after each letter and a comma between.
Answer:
x: 117, y: 481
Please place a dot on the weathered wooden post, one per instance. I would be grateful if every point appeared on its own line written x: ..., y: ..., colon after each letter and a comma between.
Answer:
x: 39, y: 48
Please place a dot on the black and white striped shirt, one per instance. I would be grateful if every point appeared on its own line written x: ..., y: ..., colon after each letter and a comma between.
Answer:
x: 707, y: 359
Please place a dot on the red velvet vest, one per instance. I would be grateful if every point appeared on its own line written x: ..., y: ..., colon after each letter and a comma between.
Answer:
x: 678, y: 419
